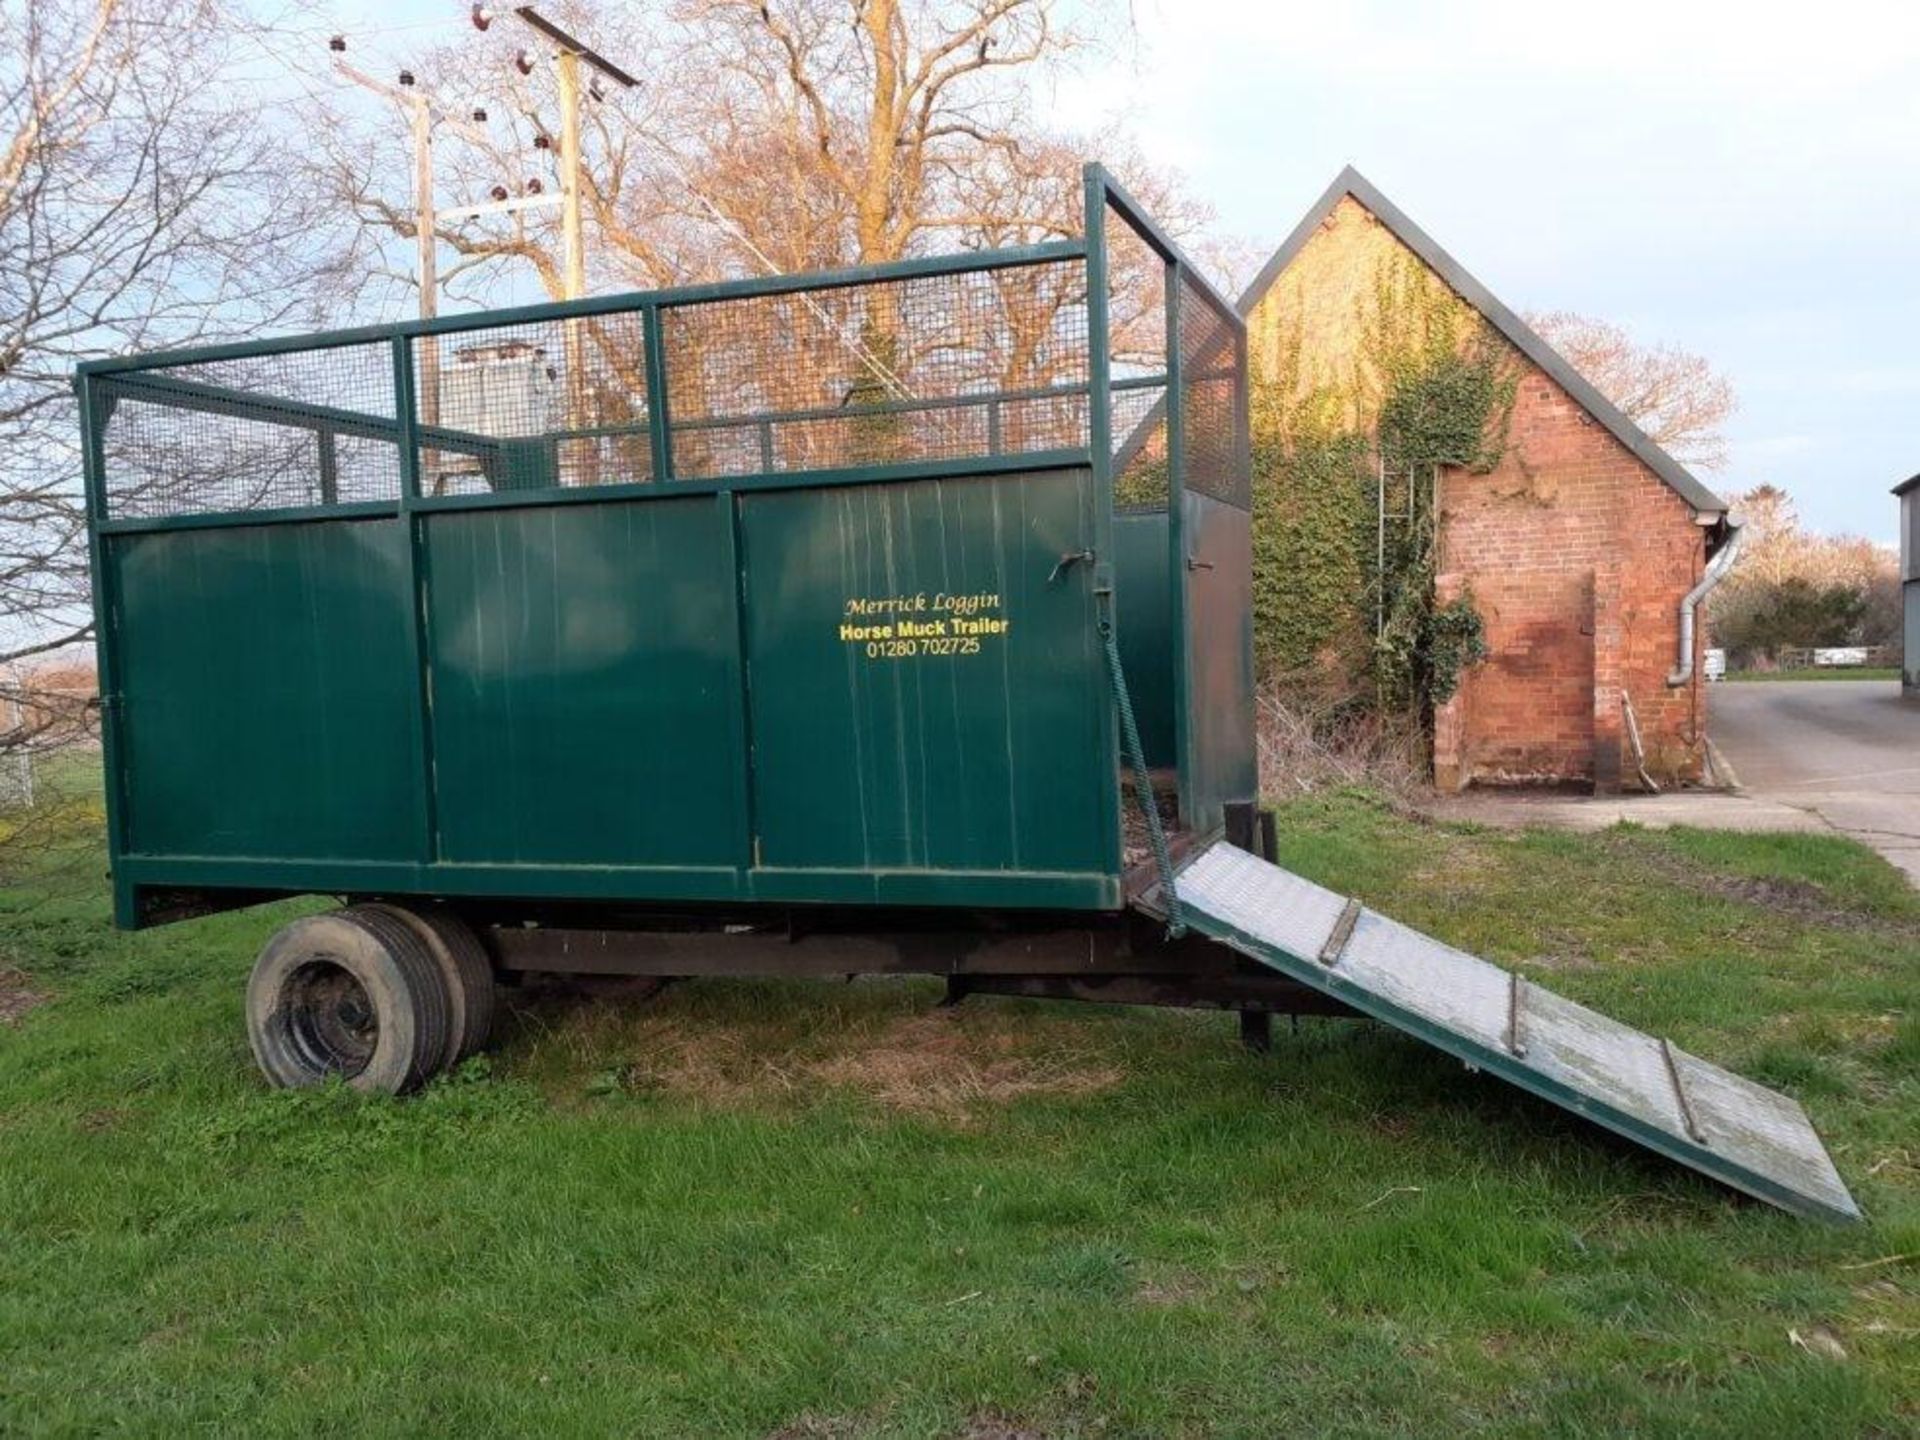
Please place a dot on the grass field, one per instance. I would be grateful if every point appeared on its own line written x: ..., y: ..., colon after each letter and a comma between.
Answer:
x: 1818, y: 672
x: 832, y: 1210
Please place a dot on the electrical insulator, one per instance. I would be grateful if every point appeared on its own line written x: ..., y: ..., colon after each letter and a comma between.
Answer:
x: 541, y: 142
x: 499, y: 192
x: 534, y: 187
x: 523, y: 62
x: 337, y: 44
x: 482, y: 17
x: 406, y: 77
x: 479, y: 115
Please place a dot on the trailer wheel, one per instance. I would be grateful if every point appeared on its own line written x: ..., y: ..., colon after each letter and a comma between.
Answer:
x: 463, y: 965
x: 349, y: 994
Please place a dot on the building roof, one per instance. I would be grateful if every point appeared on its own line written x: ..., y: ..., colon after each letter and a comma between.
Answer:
x: 1912, y: 482
x: 1350, y: 182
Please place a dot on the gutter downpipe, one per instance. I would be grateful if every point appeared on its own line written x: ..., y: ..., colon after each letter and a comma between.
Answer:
x: 1717, y: 569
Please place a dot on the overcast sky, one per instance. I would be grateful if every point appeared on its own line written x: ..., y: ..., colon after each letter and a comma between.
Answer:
x: 1741, y: 179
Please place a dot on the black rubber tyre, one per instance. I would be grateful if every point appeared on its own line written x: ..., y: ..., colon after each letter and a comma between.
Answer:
x: 348, y: 994
x: 463, y: 965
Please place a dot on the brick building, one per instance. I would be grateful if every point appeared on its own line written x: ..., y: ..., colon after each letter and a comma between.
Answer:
x: 1578, y: 547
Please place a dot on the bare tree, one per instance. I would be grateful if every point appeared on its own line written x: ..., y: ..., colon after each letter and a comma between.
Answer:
x: 1774, y: 546
x: 790, y: 135
x: 1778, y: 557
x: 132, y: 214
x: 1677, y: 397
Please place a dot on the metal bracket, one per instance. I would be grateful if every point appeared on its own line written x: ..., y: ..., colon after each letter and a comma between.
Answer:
x: 1672, y: 1058
x: 1336, y: 945
x: 1516, y: 1037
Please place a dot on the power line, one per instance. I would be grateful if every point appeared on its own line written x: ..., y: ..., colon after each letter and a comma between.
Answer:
x: 362, y: 32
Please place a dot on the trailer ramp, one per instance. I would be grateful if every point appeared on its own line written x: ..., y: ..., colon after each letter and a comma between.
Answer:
x: 1647, y: 1089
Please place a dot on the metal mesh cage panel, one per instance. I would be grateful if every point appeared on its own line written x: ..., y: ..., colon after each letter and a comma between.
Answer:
x: 938, y: 367
x: 1136, y: 302
x: 1212, y: 459
x: 309, y: 427
x: 1137, y: 333
x: 533, y: 406
x: 1140, y: 446
x: 957, y: 366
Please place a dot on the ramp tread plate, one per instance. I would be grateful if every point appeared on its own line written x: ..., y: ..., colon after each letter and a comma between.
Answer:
x: 1417, y: 972
x: 1274, y: 905
x: 1601, y: 1058
x: 1749, y: 1137
x: 1769, y: 1130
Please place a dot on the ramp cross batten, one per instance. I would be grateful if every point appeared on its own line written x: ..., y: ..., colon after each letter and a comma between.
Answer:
x: 1652, y: 1092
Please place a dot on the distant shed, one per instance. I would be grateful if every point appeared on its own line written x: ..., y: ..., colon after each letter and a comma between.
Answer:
x: 1909, y: 492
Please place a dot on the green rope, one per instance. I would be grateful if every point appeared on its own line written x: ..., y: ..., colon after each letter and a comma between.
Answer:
x: 1143, y: 783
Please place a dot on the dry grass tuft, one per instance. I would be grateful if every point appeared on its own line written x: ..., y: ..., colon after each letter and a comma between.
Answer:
x: 994, y: 1424
x: 809, y: 1426
x: 1317, y: 733
x: 948, y: 1065
x: 1169, y: 1288
x: 938, y: 1064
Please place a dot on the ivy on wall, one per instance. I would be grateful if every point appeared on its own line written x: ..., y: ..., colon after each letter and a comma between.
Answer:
x: 1429, y: 387
x: 1309, y: 568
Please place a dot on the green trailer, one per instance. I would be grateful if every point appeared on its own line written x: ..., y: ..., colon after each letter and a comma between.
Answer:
x: 894, y: 619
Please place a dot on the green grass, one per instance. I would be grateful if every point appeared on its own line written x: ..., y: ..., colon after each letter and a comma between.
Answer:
x: 1819, y: 672
x: 830, y: 1210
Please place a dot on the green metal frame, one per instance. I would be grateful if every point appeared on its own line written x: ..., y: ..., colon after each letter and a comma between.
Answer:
x: 93, y: 470
x: 1180, y: 275
x: 1100, y: 442
x: 139, y: 377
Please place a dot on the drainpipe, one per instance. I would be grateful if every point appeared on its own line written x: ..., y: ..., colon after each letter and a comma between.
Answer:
x: 1717, y: 569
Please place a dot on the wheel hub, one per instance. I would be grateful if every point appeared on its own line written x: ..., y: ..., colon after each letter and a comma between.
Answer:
x: 331, y: 1018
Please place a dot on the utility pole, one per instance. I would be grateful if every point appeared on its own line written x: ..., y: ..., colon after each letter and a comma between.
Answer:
x: 567, y: 55
x: 424, y: 114
x: 566, y: 68
x: 428, y: 263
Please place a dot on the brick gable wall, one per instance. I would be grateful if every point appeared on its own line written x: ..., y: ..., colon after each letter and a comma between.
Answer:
x: 1577, y: 556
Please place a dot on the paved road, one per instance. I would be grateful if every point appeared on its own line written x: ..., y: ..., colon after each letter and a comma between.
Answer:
x: 1847, y: 750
